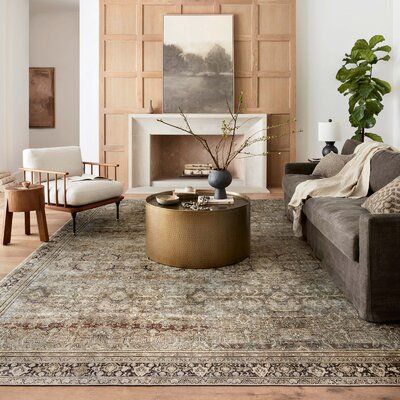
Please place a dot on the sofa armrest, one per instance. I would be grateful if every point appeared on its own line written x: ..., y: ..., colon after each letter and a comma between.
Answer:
x: 380, y: 255
x: 304, y: 168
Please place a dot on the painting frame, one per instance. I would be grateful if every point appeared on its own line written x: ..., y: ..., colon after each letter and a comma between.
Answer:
x: 171, y: 106
x: 42, y: 97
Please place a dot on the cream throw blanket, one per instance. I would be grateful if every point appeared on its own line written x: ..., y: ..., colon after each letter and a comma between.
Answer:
x: 352, y: 181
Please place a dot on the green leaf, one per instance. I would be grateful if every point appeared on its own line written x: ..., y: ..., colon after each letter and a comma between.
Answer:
x: 343, y: 87
x: 353, y: 122
x: 352, y: 102
x: 358, y: 113
x: 369, y: 122
x: 374, y: 137
x: 342, y: 74
x: 383, y: 85
x: 375, y: 40
x: 360, y: 44
x: 385, y: 58
x: 374, y: 107
x: 384, y: 48
x: 357, y: 137
x: 365, y: 90
x: 376, y: 95
x: 367, y: 55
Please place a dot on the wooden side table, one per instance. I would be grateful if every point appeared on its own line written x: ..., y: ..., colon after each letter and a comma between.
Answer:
x: 19, y: 199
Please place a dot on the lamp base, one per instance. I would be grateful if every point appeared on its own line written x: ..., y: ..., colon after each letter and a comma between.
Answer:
x: 330, y: 146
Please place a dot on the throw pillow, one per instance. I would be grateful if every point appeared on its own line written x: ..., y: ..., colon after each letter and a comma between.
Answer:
x: 385, y: 200
x: 331, y: 164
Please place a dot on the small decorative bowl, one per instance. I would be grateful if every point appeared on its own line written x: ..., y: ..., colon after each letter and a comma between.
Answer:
x: 25, y: 184
x: 167, y: 199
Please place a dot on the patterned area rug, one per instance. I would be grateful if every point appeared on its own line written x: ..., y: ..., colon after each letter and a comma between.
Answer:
x: 92, y: 309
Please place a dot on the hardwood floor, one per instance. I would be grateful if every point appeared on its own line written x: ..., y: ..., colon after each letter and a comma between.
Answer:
x: 198, y: 393
x: 22, y: 246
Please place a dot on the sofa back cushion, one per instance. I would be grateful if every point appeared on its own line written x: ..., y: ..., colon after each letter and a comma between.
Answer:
x: 331, y: 164
x: 385, y: 166
x: 349, y: 146
x: 60, y: 159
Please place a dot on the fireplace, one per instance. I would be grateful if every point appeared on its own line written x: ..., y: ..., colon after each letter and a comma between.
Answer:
x: 158, y: 153
x: 170, y: 153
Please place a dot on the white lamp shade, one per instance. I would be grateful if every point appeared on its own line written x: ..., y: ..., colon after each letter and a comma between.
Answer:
x: 328, y: 131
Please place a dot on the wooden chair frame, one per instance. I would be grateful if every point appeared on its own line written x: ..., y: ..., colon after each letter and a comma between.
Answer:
x: 63, y: 175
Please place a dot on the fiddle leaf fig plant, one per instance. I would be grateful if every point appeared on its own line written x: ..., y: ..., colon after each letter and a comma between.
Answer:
x: 364, y: 90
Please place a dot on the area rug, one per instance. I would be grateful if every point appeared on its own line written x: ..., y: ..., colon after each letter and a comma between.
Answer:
x: 92, y: 309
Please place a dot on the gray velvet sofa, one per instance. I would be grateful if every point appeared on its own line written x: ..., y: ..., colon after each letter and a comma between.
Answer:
x: 361, y: 251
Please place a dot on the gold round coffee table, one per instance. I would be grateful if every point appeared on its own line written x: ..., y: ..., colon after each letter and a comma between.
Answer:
x: 185, y: 238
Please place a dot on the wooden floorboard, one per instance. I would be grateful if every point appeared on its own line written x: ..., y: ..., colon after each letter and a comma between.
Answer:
x: 199, y: 393
x: 22, y: 246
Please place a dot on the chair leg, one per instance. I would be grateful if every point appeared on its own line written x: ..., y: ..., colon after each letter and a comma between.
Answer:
x: 117, y: 204
x: 73, y: 215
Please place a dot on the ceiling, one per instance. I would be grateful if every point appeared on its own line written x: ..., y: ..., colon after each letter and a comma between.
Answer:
x: 53, y: 5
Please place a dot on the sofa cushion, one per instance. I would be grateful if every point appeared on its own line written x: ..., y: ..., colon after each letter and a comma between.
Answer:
x: 60, y: 159
x: 385, y: 166
x: 331, y: 164
x: 338, y: 220
x: 349, y: 146
x: 290, y: 182
x: 80, y: 193
x: 385, y: 200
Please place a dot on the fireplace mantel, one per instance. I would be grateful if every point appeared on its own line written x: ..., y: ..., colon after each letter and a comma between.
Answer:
x: 143, y: 126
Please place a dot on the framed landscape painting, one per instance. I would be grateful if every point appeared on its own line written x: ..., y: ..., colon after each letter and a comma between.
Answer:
x: 198, y: 62
x: 41, y: 98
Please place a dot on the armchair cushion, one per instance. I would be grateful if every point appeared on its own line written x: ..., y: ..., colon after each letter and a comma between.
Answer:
x: 62, y: 159
x: 80, y: 193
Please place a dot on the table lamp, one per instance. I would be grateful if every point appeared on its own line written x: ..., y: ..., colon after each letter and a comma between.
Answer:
x: 328, y: 132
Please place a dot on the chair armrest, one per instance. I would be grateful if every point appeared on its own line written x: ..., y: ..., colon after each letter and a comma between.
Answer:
x: 303, y: 168
x: 43, y: 171
x: 100, y: 164
x: 62, y: 174
x: 104, y: 165
x: 380, y: 255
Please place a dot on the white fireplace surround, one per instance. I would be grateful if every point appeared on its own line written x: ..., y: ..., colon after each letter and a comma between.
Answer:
x: 143, y: 126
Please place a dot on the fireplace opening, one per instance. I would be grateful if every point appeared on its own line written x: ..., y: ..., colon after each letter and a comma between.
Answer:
x: 170, y: 153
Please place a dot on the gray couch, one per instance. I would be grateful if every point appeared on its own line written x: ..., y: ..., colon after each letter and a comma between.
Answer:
x: 360, y: 250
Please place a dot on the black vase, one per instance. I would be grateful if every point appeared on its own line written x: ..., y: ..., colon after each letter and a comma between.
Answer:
x: 219, y: 180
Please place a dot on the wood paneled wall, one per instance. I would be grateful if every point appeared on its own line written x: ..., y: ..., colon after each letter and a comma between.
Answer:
x: 131, y: 34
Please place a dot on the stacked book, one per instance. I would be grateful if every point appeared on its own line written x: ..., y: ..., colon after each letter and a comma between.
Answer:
x: 6, y: 179
x: 199, y: 170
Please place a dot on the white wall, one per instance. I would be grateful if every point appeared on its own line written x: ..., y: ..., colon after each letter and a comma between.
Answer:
x: 89, y: 79
x: 326, y: 29
x: 54, y: 42
x: 14, y: 82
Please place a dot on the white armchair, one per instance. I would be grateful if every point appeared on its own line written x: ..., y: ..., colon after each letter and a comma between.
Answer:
x: 57, y: 168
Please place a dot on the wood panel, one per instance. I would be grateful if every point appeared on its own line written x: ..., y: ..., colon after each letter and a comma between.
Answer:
x: 131, y: 65
x: 275, y: 165
x: 120, y: 56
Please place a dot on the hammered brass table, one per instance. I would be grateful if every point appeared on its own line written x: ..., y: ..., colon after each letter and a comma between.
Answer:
x: 185, y: 238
